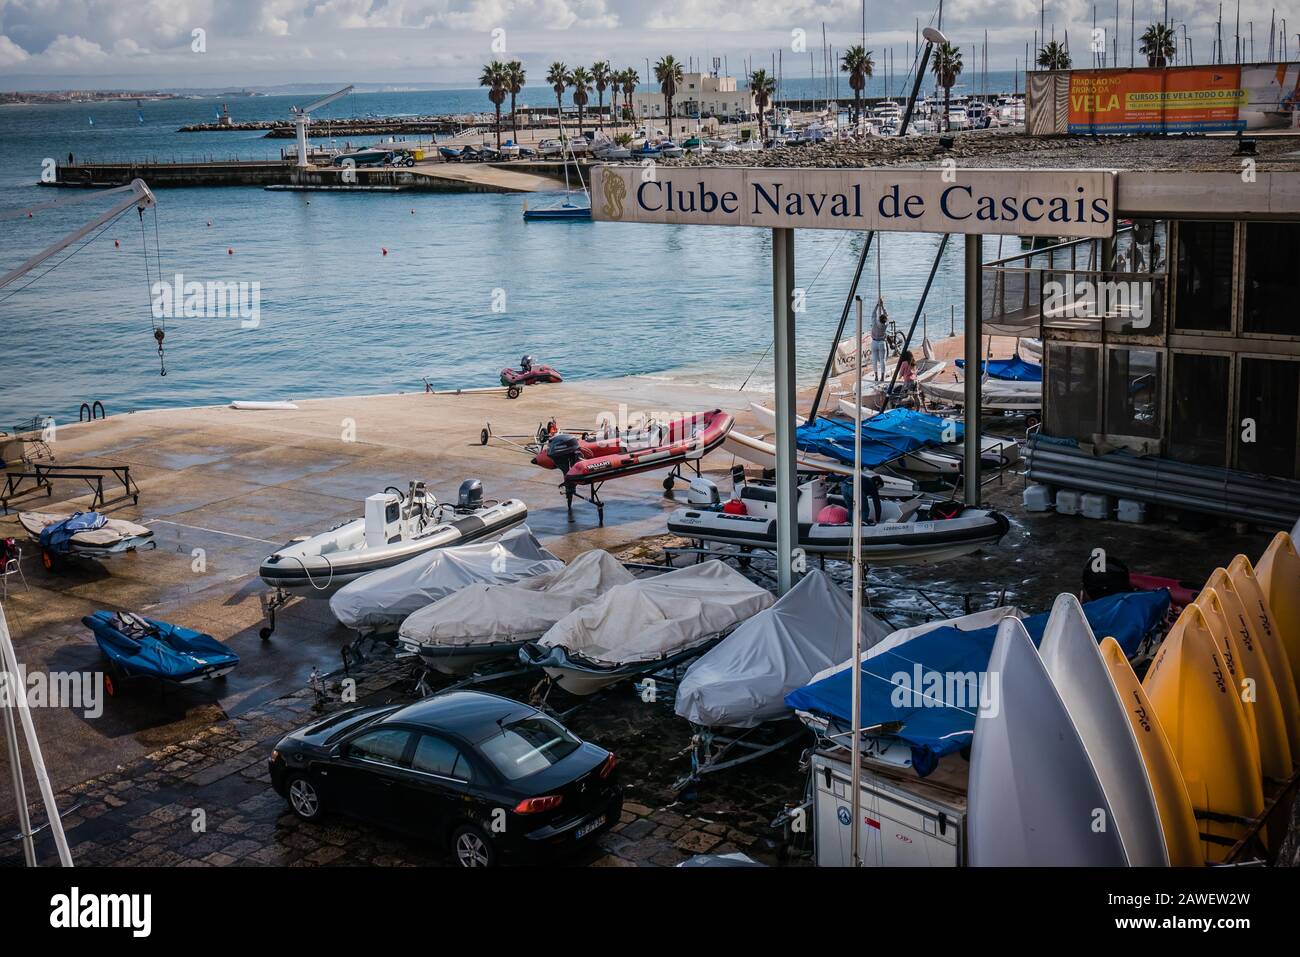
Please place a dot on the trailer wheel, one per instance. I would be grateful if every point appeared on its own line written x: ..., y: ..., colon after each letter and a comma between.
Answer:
x: 48, y: 560
x: 668, y: 483
x: 513, y: 392
x: 483, y: 437
x: 265, y: 634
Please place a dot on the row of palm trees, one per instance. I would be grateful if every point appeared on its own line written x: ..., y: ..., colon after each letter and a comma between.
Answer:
x: 1157, y: 43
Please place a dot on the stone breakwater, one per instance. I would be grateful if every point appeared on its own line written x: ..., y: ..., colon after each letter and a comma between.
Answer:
x: 993, y: 148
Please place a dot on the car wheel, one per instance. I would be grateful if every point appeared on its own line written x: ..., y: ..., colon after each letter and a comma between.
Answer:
x: 472, y: 847
x: 304, y: 799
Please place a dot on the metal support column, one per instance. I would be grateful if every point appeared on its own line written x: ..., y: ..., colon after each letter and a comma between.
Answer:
x: 783, y: 336
x: 974, y: 365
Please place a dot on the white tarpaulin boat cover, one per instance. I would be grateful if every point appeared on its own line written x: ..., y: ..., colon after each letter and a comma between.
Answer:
x: 517, y: 611
x: 656, y: 617
x: 743, y: 680
x: 382, y: 599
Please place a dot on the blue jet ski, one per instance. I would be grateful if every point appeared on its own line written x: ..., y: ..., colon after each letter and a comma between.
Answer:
x: 140, y: 647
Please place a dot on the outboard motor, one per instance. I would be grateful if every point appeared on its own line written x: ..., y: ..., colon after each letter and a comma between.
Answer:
x: 526, y: 364
x: 470, y: 496
x: 702, y: 493
x: 564, y: 450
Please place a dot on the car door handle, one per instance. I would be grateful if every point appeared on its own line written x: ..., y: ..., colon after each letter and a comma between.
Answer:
x: 386, y: 782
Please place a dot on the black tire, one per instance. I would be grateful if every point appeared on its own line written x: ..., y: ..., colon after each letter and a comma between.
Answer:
x: 483, y: 437
x: 304, y: 798
x: 513, y: 392
x: 471, y: 847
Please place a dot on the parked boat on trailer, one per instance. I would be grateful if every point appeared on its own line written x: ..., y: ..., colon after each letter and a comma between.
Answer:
x: 396, y: 526
x: 83, y: 535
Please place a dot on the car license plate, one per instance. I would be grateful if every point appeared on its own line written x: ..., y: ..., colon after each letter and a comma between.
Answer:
x: 590, y: 826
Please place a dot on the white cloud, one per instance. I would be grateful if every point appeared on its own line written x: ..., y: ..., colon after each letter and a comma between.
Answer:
x: 66, y: 51
x: 11, y: 54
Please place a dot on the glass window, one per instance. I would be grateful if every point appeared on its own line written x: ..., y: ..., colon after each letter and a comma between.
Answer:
x: 385, y: 745
x: 1204, y: 288
x: 1270, y: 394
x: 1272, y: 265
x: 1071, y: 383
x: 1133, y: 393
x: 529, y: 746
x: 1198, y: 409
x: 438, y: 756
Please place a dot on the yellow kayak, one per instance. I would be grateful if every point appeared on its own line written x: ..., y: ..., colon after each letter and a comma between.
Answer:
x: 1242, y: 575
x: 1177, y: 819
x: 1216, y: 619
x: 1255, y: 678
x: 1191, y: 694
x: 1279, y: 577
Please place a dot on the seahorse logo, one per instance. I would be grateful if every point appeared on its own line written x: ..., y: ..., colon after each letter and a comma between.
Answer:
x: 615, y: 191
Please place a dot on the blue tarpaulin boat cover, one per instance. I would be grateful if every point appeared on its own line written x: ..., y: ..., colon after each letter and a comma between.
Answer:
x: 158, y: 649
x: 55, y: 538
x: 885, y: 437
x: 1015, y: 369
x: 909, y: 688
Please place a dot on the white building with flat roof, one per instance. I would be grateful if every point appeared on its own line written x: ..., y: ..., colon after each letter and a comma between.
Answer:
x: 698, y: 93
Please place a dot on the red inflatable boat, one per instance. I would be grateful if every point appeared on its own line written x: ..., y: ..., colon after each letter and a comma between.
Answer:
x: 594, y: 458
x: 534, y: 376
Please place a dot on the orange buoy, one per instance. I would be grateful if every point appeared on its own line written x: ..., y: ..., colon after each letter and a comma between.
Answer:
x: 229, y: 251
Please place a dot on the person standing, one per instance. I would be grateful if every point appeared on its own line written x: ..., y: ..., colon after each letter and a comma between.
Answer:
x: 879, y: 347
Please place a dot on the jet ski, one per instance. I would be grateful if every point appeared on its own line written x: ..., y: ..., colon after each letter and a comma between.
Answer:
x: 593, y: 458
x: 396, y: 527
x: 83, y: 535
x: 912, y: 531
x: 138, y: 647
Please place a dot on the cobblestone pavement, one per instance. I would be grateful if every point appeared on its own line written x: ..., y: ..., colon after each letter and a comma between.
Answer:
x: 208, y: 801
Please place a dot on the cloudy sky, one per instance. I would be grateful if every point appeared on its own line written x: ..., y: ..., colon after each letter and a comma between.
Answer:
x: 49, y: 44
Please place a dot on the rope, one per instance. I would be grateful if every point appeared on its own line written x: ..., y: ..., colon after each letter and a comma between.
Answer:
x: 772, y: 342
x: 87, y: 241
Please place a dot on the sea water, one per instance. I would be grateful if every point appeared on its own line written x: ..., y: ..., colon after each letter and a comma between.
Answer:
x: 465, y: 288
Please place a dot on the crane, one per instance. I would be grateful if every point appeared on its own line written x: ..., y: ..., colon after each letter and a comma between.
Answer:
x: 140, y: 197
x: 300, y: 120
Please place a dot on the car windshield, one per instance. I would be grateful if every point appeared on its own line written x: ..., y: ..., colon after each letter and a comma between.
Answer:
x: 529, y: 746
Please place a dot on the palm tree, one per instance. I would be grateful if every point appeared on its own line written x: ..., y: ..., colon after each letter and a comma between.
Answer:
x: 946, y: 68
x: 580, y: 80
x: 495, y: 76
x: 602, y: 75
x: 858, y: 65
x: 669, y: 74
x: 559, y: 78
x: 1054, y: 56
x: 515, y: 79
x: 629, y: 78
x: 1158, y: 44
x: 764, y: 90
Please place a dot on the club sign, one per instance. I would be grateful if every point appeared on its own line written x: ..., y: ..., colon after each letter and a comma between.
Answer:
x: 1075, y: 203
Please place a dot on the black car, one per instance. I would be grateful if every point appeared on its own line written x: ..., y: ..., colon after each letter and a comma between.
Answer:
x: 490, y: 778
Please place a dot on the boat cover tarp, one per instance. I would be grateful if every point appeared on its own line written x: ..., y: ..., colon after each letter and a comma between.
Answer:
x: 485, y: 613
x: 381, y: 600
x: 910, y: 689
x: 743, y: 680
x: 158, y: 649
x: 651, y: 618
x: 1014, y: 369
x: 57, y: 538
x: 885, y: 437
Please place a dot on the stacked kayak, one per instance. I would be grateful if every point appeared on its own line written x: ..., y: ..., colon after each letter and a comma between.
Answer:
x: 139, y: 647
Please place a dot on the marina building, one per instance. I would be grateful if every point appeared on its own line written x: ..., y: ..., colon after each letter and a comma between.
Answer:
x: 698, y: 93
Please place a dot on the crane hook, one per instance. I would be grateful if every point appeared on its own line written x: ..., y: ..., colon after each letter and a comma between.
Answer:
x: 158, y: 334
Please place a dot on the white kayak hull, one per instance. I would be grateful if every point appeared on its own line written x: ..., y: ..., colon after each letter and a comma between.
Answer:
x: 995, y: 395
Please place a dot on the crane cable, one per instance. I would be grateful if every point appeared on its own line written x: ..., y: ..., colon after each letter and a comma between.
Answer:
x: 159, y: 326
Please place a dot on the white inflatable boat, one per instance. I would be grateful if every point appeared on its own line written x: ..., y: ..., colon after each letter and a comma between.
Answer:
x: 764, y: 454
x: 645, y: 625
x: 893, y: 533
x: 397, y: 526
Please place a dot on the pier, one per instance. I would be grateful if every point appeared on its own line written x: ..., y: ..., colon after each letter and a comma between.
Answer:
x: 428, y: 176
